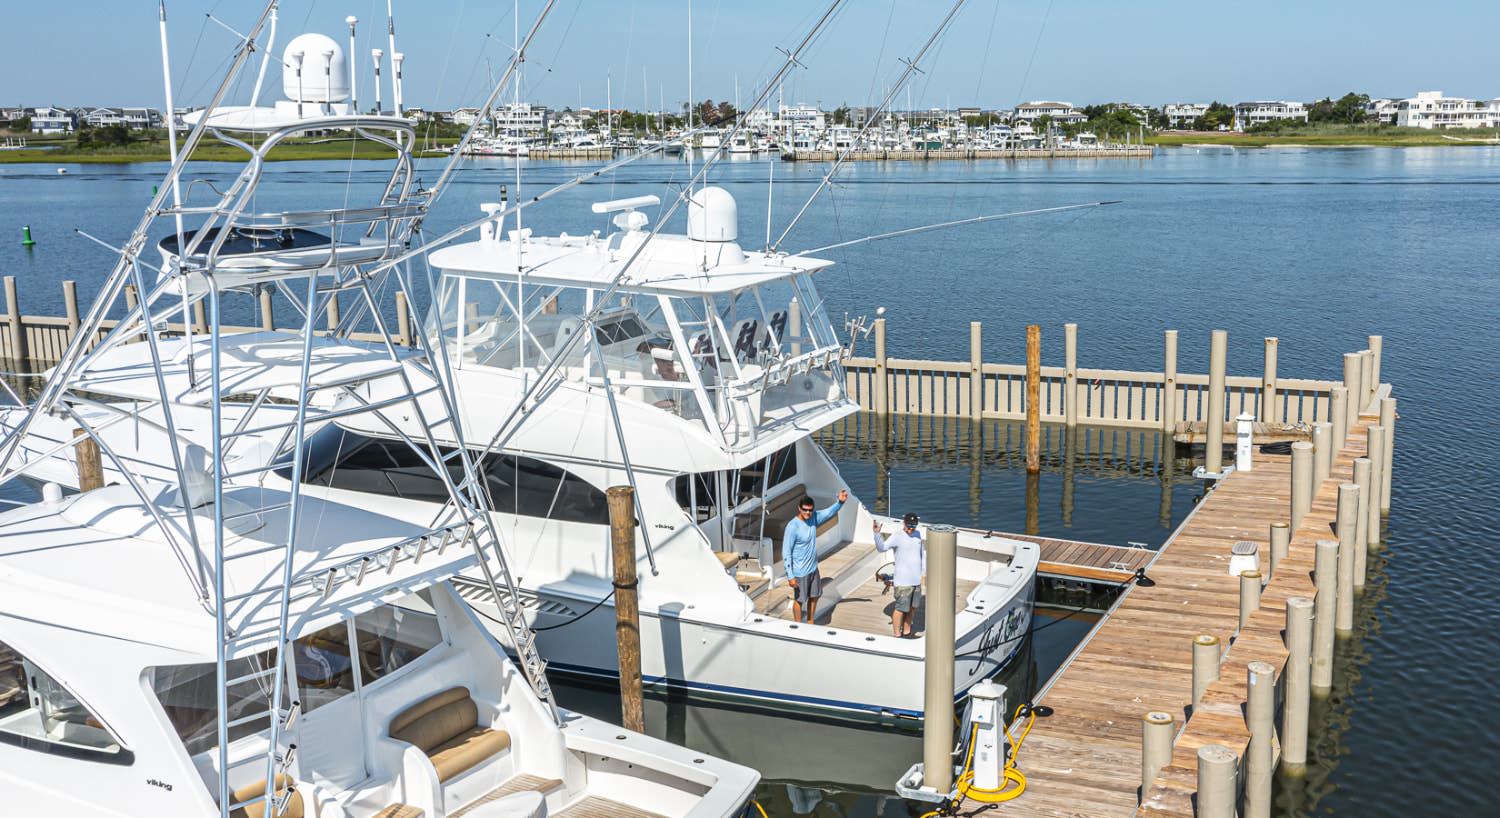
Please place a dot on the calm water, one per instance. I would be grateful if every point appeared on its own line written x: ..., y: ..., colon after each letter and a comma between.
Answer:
x: 1317, y: 247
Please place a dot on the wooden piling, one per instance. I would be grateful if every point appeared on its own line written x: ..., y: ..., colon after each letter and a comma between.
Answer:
x: 1169, y: 383
x: 1070, y: 374
x: 403, y: 322
x: 1322, y: 440
x: 1351, y: 383
x: 14, y: 329
x: 1303, y: 486
x: 90, y: 467
x: 200, y: 317
x: 1388, y: 423
x: 1218, y: 351
x: 1205, y: 664
x: 1260, y: 713
x: 976, y: 371
x: 1250, y: 585
x: 1217, y: 784
x: 131, y: 299
x: 70, y: 307
x: 1268, y: 413
x: 1338, y: 408
x: 1375, y: 452
x: 937, y: 715
x: 1156, y: 747
x: 333, y: 312
x: 1361, y: 529
x: 1366, y: 378
x: 1343, y: 617
x: 1299, y: 638
x: 1325, y: 575
x: 621, y: 500
x: 267, y: 319
x: 882, y: 384
x: 1375, y: 344
x: 1347, y: 527
x: 1281, y: 542
x: 1033, y: 398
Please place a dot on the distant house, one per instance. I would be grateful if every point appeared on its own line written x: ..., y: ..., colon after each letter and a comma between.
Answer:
x: 1382, y: 110
x: 416, y: 114
x: 51, y: 120
x: 521, y: 119
x: 1182, y: 114
x: 1430, y: 109
x: 464, y: 116
x: 1060, y: 112
x: 1249, y: 114
x: 134, y: 118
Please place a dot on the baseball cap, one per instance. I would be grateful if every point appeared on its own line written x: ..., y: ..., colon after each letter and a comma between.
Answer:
x: 910, y: 520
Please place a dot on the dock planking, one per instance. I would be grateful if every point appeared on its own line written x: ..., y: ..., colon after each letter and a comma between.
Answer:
x: 1085, y: 760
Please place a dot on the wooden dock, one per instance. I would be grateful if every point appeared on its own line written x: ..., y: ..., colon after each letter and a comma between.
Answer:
x: 1085, y: 760
x: 1131, y: 151
x: 1087, y: 561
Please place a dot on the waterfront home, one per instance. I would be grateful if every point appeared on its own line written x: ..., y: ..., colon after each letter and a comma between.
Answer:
x: 52, y: 120
x: 1181, y: 115
x: 463, y: 116
x: 1382, y: 110
x: 1249, y: 114
x: 1430, y: 109
x: 136, y: 119
x: 1060, y: 112
x: 521, y: 119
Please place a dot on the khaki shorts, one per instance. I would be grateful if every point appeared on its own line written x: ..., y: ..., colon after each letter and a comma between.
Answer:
x: 908, y: 597
x: 809, y: 588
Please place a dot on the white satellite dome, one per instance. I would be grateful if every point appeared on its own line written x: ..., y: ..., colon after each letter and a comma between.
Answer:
x: 325, y: 75
x: 712, y: 215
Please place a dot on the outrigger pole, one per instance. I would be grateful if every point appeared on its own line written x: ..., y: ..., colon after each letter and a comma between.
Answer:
x: 911, y: 68
x: 994, y: 217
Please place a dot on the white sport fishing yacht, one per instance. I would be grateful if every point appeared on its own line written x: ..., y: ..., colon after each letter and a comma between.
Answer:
x: 194, y: 638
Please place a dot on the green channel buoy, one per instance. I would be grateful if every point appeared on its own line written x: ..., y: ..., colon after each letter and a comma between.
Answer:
x: 26, y: 239
x: 153, y: 190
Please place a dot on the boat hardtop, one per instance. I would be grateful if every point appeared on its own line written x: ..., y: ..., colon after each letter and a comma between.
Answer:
x: 100, y: 561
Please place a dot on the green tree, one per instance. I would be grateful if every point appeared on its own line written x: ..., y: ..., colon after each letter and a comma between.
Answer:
x: 727, y: 113
x: 840, y: 115
x: 1350, y: 108
x: 1218, y: 114
x: 20, y: 124
x: 708, y: 112
x: 1321, y: 111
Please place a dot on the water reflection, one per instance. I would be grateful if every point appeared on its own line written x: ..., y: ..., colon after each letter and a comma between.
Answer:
x: 1102, y: 484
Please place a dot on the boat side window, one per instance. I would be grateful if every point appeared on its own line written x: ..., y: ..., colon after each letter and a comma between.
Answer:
x: 187, y: 696
x: 341, y: 459
x: 325, y: 671
x: 38, y: 713
x: 746, y: 484
x: 535, y: 488
x: 395, y: 635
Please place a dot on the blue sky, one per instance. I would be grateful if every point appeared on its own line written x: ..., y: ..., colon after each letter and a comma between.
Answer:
x: 104, y: 52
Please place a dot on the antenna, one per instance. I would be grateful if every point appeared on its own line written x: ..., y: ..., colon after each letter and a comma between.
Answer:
x: 353, y: 77
x: 297, y: 61
x: 390, y: 30
x: 375, y: 55
x: 328, y: 78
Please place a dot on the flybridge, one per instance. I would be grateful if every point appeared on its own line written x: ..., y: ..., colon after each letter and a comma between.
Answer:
x: 708, y: 335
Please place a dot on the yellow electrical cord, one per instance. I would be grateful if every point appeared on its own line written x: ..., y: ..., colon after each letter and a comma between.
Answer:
x: 1014, y: 780
x: 760, y: 809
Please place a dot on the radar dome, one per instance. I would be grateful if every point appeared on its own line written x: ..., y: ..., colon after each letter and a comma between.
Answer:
x: 325, y: 75
x: 712, y: 215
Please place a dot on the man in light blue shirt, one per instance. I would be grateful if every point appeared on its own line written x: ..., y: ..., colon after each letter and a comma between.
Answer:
x: 799, y: 555
x: 911, y: 569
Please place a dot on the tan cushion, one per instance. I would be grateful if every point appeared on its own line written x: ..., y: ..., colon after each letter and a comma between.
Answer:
x: 463, y: 752
x: 728, y: 559
x: 436, y: 719
x: 399, y: 811
x: 258, y: 809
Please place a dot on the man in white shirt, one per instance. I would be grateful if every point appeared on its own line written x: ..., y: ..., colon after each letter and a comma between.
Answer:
x: 911, y: 570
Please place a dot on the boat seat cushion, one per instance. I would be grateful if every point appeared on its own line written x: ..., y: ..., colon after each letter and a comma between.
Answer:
x: 258, y: 809
x: 780, y: 510
x: 467, y: 750
x: 445, y: 726
x: 728, y: 559
x: 399, y: 811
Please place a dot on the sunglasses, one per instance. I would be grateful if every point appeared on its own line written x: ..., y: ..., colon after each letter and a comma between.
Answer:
x: 804, y: 511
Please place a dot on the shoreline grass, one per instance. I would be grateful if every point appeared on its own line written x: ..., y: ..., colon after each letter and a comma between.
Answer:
x: 1329, y: 136
x: 65, y: 153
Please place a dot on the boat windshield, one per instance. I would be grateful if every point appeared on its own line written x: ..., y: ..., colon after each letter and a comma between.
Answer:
x: 740, y: 361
